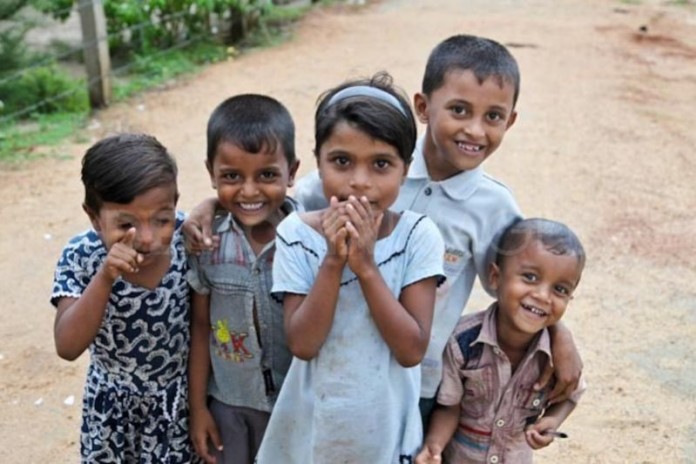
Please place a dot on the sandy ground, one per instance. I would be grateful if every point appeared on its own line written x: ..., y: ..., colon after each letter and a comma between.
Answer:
x: 604, y: 141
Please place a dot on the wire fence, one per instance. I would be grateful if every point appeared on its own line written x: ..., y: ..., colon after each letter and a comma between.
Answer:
x: 182, y: 41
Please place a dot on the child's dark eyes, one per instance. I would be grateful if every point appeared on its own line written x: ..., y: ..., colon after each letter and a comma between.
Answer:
x: 459, y: 110
x: 495, y: 116
x: 268, y: 176
x: 562, y: 290
x: 529, y: 277
x: 341, y: 161
x: 231, y: 176
x: 125, y: 225
x: 382, y: 164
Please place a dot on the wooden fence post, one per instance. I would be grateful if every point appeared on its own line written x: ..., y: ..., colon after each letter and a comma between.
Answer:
x: 96, y: 52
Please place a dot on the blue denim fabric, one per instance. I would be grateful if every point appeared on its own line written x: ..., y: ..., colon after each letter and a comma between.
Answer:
x: 248, y: 349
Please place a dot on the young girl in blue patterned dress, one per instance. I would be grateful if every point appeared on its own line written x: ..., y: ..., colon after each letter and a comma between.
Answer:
x: 358, y: 284
x: 120, y: 290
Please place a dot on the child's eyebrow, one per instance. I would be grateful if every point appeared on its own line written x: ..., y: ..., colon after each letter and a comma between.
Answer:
x: 499, y: 108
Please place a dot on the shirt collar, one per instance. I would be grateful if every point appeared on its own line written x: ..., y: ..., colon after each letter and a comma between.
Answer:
x: 489, y: 334
x: 458, y: 187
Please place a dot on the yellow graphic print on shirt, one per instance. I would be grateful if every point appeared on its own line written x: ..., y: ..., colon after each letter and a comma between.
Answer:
x: 230, y: 344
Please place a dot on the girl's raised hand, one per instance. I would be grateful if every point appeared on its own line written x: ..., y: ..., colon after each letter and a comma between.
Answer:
x: 122, y: 257
x: 363, y: 228
x: 333, y: 224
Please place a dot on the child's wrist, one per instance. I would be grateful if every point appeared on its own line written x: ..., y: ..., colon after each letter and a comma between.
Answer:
x: 333, y: 263
x: 105, y: 276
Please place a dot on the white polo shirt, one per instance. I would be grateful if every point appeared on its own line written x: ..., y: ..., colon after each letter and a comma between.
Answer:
x: 470, y: 209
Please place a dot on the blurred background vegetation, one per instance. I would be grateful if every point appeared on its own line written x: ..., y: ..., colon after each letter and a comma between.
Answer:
x: 43, y: 90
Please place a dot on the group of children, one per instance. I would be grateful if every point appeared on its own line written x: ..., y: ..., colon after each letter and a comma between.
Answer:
x: 324, y: 328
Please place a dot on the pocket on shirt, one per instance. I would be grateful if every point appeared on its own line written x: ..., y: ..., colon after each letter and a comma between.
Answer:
x: 530, y: 404
x: 478, y: 392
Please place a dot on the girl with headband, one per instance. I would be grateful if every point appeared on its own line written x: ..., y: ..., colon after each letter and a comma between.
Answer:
x: 358, y: 283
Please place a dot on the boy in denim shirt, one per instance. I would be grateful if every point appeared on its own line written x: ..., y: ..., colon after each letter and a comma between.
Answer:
x: 237, y: 328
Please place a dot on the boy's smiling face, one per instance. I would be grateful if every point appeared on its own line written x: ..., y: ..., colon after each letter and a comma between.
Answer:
x: 533, y: 287
x: 251, y: 186
x: 466, y: 121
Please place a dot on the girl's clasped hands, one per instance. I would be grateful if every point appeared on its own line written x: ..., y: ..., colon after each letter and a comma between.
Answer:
x: 351, y: 229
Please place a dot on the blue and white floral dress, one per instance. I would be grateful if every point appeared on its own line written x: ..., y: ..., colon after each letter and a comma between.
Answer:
x: 135, y: 399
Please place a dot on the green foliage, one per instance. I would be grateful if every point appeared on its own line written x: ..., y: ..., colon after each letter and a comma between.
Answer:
x: 13, y: 51
x: 45, y: 88
x: 142, y: 26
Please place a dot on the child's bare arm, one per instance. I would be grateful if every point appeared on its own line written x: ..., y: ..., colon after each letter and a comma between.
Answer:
x: 443, y: 424
x: 203, y: 427
x: 567, y: 363
x: 78, y: 320
x: 308, y: 318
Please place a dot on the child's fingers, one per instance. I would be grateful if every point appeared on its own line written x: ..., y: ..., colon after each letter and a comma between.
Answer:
x: 536, y: 440
x: 200, y: 444
x: 215, y: 438
x: 123, y: 258
x: 545, y: 378
x: 361, y: 206
x: 129, y: 238
x: 341, y: 242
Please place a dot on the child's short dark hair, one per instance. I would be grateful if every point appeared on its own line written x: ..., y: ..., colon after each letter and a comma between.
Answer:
x: 383, y: 114
x: 484, y: 57
x: 254, y: 123
x: 554, y: 236
x: 120, y: 167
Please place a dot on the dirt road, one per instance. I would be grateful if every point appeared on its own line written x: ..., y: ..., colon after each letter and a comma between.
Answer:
x: 604, y: 141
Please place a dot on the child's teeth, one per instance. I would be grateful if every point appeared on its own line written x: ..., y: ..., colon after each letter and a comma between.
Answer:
x: 250, y: 206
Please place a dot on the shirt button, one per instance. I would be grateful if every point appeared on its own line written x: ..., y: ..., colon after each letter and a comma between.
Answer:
x: 536, y: 402
x: 428, y: 191
x: 500, y: 423
x: 493, y: 459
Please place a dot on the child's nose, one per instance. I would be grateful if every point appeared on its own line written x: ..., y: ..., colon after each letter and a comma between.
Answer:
x: 144, y: 238
x: 360, y: 180
x: 543, y: 293
x: 249, y: 189
x: 474, y: 128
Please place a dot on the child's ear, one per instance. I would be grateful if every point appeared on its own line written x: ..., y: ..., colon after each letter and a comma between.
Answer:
x: 209, y: 167
x: 511, y: 120
x: 293, y: 172
x: 93, y: 217
x: 403, y: 177
x: 420, y: 104
x: 494, y: 277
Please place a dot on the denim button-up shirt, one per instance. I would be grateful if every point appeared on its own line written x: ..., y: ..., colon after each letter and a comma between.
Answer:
x: 248, y: 352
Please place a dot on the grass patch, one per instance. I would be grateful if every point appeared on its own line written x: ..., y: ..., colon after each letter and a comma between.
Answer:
x: 19, y: 140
